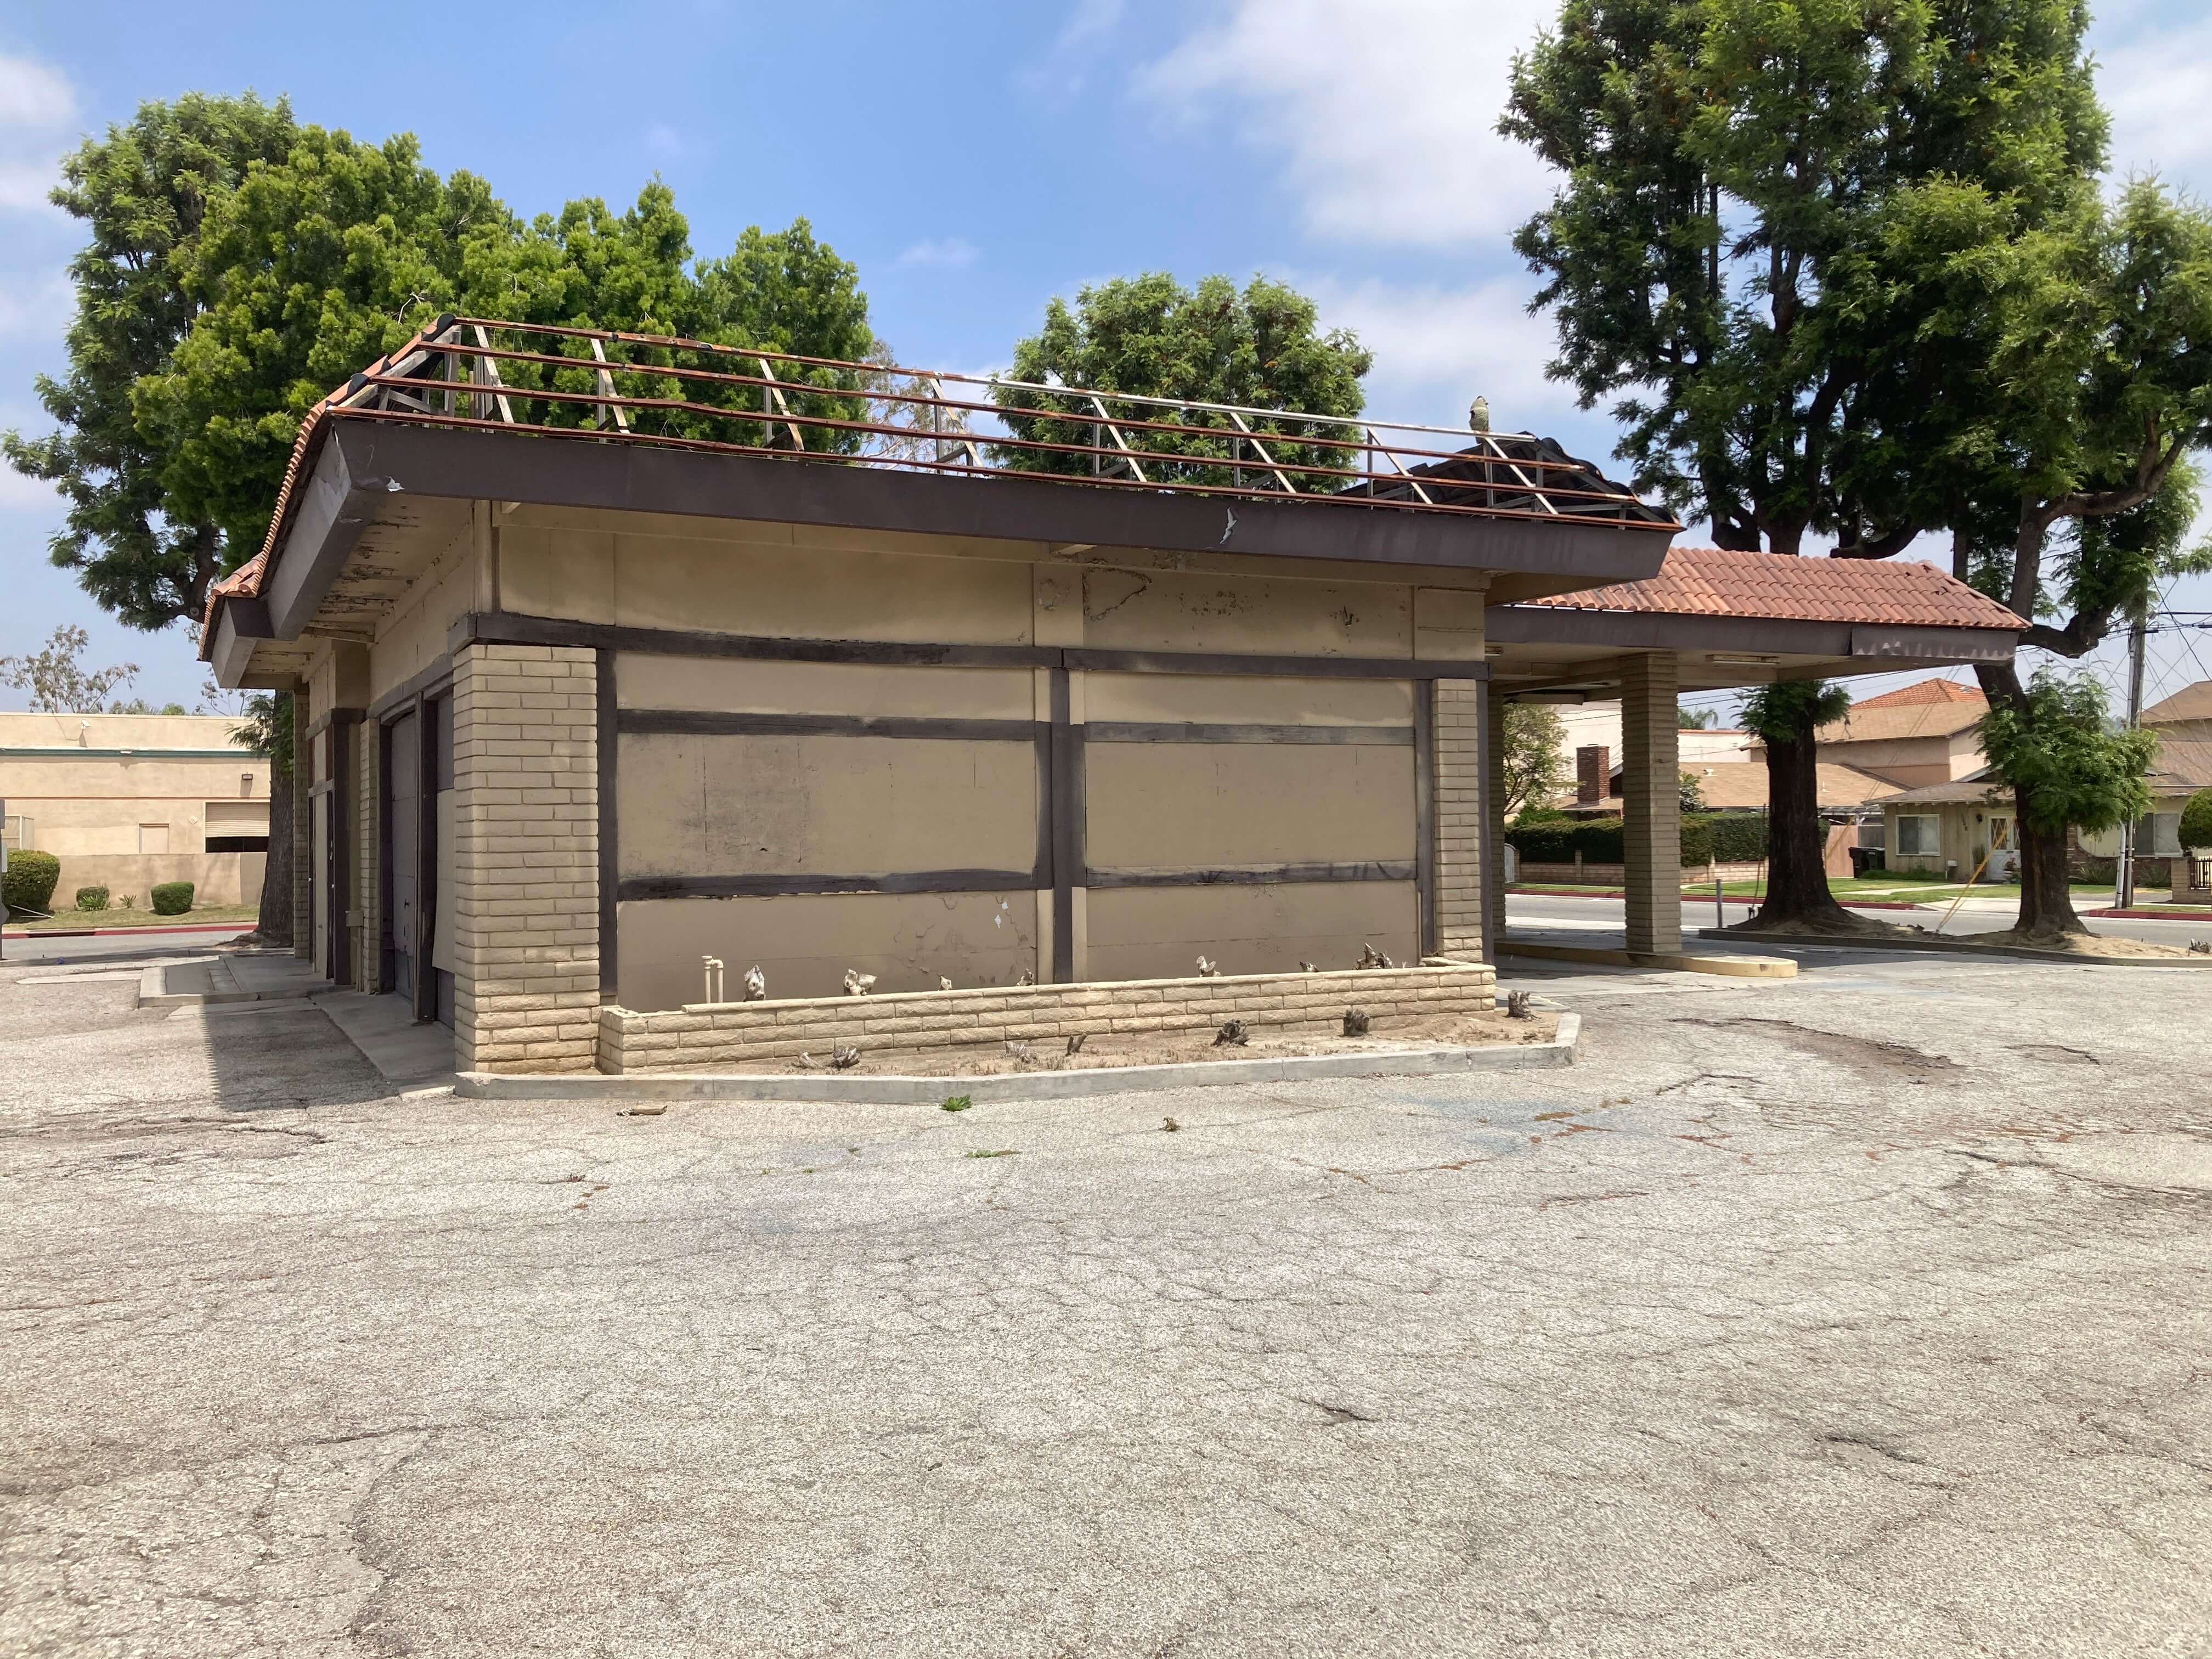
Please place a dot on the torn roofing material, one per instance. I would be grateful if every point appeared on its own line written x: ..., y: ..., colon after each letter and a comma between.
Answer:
x: 497, y: 382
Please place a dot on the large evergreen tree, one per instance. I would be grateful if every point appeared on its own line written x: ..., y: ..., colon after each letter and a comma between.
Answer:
x: 142, y: 193
x: 1732, y: 172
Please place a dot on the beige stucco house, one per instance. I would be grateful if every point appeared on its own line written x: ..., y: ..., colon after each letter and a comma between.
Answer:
x: 1950, y: 828
x: 126, y: 801
x: 596, y: 684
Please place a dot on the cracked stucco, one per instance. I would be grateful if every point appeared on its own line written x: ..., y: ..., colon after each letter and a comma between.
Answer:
x: 1864, y: 1314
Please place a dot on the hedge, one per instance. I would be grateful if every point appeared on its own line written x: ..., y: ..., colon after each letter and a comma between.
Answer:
x: 29, y: 883
x: 92, y: 898
x: 172, y: 898
x: 1725, y: 837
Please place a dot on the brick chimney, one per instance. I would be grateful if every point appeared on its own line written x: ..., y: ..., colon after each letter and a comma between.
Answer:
x: 1593, y: 767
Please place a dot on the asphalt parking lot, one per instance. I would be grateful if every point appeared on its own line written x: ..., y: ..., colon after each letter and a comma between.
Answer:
x: 1865, y: 1314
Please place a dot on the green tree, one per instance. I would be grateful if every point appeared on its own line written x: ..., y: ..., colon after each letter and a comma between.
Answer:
x: 142, y: 193
x: 308, y: 269
x: 1533, y: 739
x: 2066, y: 381
x: 2066, y: 765
x: 1715, y: 252
x: 1784, y: 716
x: 2195, y: 829
x: 1149, y: 336
x: 1694, y: 720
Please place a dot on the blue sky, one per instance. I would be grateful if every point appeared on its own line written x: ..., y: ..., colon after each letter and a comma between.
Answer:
x: 974, y: 159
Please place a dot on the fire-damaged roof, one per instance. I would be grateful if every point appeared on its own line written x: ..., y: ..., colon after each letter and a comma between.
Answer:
x: 478, y: 409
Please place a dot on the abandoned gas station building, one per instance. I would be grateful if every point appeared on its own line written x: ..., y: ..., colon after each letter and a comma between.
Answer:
x: 616, y: 652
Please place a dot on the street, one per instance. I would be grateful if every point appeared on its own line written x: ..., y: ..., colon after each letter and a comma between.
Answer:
x: 1860, y: 1314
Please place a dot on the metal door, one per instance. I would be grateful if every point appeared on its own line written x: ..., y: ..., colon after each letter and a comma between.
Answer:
x: 402, y: 821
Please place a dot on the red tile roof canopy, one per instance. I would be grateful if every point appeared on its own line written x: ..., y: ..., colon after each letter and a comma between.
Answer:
x: 1710, y: 582
x: 1923, y: 693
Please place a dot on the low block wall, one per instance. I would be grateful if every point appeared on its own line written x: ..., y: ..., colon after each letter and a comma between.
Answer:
x: 738, y: 1035
x: 1616, y: 875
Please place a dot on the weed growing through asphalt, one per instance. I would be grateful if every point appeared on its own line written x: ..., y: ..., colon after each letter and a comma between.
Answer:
x: 957, y: 1103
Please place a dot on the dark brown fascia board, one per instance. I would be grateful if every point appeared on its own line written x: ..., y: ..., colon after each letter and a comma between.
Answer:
x: 1624, y: 630
x: 367, y: 458
x: 336, y: 503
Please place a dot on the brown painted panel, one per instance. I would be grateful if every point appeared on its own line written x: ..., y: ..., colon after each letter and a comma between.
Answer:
x: 1157, y: 934
x: 1193, y: 611
x: 723, y: 806
x: 652, y: 680
x: 1263, y: 699
x: 804, y: 946
x: 1153, y: 805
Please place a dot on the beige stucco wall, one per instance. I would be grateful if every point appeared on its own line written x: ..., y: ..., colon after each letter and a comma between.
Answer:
x: 1159, y: 933
x: 413, y: 637
x: 840, y: 805
x: 217, y: 878
x: 804, y: 945
x: 89, y: 799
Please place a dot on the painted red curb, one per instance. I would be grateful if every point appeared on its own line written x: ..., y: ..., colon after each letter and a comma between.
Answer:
x: 104, y: 933
x: 2139, y: 914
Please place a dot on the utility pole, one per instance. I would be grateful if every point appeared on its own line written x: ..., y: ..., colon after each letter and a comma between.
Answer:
x: 2123, y: 885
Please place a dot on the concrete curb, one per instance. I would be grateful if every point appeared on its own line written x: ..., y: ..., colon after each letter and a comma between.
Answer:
x: 153, y: 991
x: 119, y: 933
x: 1958, y: 947
x: 1680, y: 962
x: 854, y: 1088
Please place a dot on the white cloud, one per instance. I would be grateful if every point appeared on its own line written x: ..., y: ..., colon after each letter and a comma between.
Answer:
x: 1380, y: 117
x: 664, y: 142
x: 952, y: 253
x: 1437, y: 347
x: 37, y: 108
x: 34, y: 96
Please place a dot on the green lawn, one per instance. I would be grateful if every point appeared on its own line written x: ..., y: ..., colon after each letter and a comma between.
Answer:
x: 68, y: 921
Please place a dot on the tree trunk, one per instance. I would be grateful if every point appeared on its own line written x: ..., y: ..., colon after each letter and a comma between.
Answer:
x: 2046, y: 896
x: 1796, y: 839
x: 275, y: 925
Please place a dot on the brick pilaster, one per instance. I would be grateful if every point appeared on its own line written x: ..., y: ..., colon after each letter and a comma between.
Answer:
x: 525, y: 857
x: 1651, y: 779
x: 369, y: 871
x: 1455, y: 733
x: 302, y: 830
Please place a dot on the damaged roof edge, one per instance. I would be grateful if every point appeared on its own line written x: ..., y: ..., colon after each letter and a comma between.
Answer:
x: 337, y: 480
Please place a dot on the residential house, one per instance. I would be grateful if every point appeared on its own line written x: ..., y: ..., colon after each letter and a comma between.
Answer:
x: 2185, y: 717
x: 1959, y: 828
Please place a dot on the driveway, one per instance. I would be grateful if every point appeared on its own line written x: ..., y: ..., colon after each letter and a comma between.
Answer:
x: 1868, y: 1313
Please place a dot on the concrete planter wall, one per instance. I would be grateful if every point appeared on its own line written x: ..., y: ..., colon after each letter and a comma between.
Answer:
x: 737, y: 1036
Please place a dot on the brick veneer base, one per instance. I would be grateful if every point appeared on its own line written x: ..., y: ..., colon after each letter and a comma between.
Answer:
x: 733, y: 1036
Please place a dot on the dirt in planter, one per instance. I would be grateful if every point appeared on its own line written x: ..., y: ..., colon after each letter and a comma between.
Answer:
x: 996, y: 1058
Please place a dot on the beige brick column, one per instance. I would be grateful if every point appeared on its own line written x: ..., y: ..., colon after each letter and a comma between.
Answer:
x: 1456, y: 734
x: 1651, y: 776
x: 1494, y: 864
x: 369, y: 862
x: 525, y: 857
x: 302, y: 829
